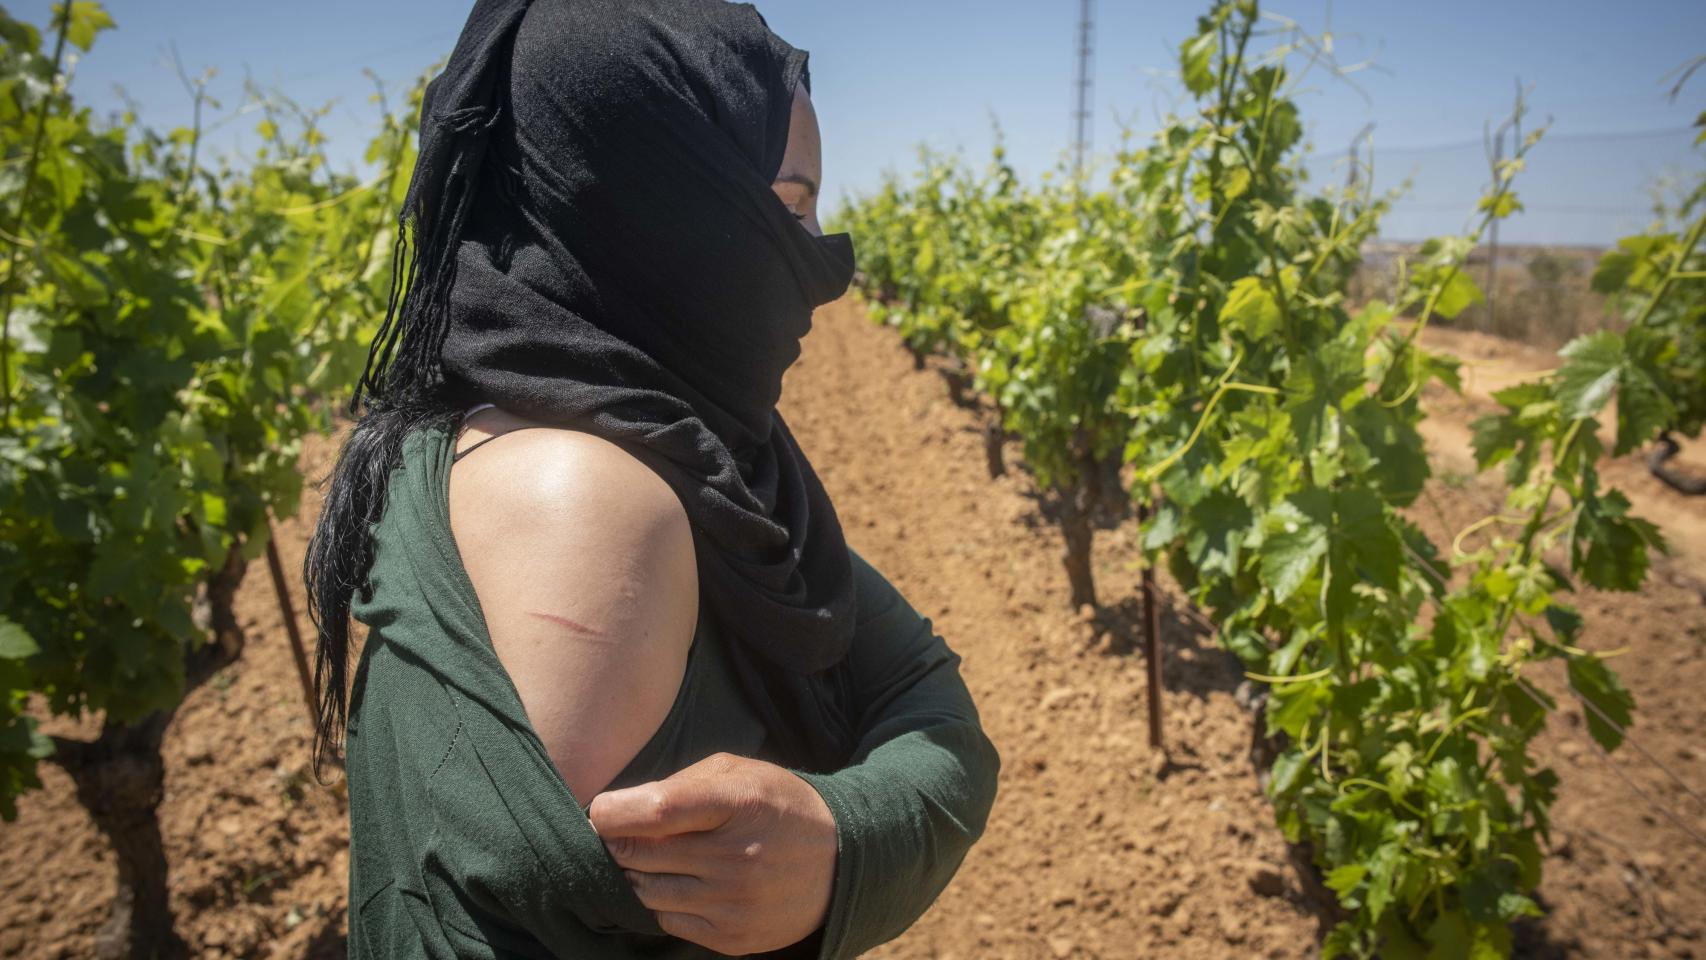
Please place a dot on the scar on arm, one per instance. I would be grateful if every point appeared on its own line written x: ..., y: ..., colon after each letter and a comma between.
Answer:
x: 566, y: 622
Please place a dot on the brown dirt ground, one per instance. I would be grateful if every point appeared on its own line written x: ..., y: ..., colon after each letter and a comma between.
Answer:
x: 1089, y: 852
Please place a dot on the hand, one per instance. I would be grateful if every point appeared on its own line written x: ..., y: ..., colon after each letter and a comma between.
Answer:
x: 734, y: 854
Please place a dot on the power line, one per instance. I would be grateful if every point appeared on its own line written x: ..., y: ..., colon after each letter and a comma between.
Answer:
x: 1588, y: 137
x: 1587, y: 209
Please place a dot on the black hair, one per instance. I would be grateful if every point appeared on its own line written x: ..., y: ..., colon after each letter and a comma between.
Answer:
x: 402, y: 389
x: 340, y: 552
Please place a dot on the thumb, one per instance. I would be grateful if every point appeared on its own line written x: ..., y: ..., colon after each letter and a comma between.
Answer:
x: 685, y: 802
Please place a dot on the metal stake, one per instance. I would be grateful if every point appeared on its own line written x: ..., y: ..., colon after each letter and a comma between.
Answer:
x: 288, y: 610
x: 1152, y: 645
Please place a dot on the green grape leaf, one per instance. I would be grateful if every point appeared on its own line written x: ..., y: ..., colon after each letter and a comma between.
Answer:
x: 23, y: 37
x: 1362, y: 525
x: 1612, y: 273
x: 16, y: 642
x: 1458, y: 295
x: 1502, y: 205
x: 1196, y: 62
x: 1602, y: 364
x: 1294, y: 545
x: 1399, y: 458
x: 1447, y: 783
x: 1352, y: 699
x: 1285, y: 127
x: 1497, y: 437
x: 87, y: 19
x: 1251, y: 304
x: 1608, y: 547
x: 1449, y: 937
x: 1644, y: 389
x: 20, y: 736
x: 1293, y: 706
x: 1565, y: 621
x: 77, y: 277
x: 20, y: 746
x: 1528, y: 706
x: 1321, y: 382
x: 1606, y: 704
x: 1527, y: 855
x: 1163, y: 527
x: 1492, y: 942
x: 1381, y: 869
x: 1342, y: 941
x: 1629, y: 265
x: 1286, y: 774
x: 1237, y: 182
x: 1514, y: 905
x: 1215, y: 528
x: 1342, y: 880
x: 1249, y: 646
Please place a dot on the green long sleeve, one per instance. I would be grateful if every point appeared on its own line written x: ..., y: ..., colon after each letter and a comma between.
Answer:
x: 920, y: 785
x: 466, y: 843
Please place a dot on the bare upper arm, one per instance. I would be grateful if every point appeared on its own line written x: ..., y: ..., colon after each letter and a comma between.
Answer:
x: 583, y: 562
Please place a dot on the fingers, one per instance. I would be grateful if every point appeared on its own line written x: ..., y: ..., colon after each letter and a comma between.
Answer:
x: 672, y: 892
x: 693, y: 854
x: 734, y: 854
x: 658, y: 809
x: 693, y: 799
x: 682, y: 910
x: 691, y: 927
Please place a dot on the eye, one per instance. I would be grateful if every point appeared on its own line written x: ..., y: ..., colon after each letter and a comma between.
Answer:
x: 799, y: 216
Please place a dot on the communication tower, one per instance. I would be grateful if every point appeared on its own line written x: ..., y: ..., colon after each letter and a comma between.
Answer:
x: 1081, y: 112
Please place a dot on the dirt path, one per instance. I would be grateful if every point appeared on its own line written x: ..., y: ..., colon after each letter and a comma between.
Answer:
x: 1089, y: 854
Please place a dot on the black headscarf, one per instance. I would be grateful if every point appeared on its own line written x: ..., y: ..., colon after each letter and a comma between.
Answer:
x: 597, y: 245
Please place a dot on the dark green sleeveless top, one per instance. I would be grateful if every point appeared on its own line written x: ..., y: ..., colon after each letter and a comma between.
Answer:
x: 465, y: 842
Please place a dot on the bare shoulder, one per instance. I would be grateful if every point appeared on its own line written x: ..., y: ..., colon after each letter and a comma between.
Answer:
x: 583, y: 562
x: 541, y: 471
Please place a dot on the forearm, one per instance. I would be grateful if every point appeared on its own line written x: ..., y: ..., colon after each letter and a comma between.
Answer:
x: 917, y: 791
x: 905, y: 818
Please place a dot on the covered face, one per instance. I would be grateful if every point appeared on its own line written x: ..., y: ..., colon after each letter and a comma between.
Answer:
x: 631, y: 183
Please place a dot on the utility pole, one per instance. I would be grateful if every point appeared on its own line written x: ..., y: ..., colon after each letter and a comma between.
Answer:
x: 1081, y: 112
x: 1497, y: 156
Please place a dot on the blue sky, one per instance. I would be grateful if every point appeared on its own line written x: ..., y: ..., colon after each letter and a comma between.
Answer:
x: 889, y: 75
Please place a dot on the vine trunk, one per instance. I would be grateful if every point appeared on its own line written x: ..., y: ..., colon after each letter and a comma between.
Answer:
x: 120, y: 778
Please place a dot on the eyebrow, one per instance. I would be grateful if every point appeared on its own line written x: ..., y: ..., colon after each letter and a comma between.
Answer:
x: 799, y: 178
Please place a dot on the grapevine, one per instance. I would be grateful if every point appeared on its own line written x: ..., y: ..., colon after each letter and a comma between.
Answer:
x: 1272, y: 427
x: 171, y: 329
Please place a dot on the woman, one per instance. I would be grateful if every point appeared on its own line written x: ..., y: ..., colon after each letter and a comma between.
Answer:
x: 626, y: 690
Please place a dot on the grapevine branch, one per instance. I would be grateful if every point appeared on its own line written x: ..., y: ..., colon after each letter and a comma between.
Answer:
x: 198, y: 96
x: 1674, y: 273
